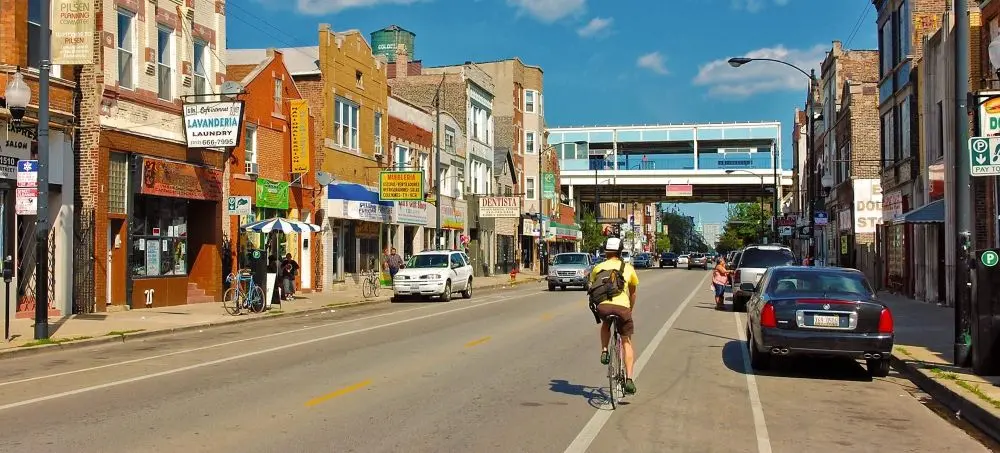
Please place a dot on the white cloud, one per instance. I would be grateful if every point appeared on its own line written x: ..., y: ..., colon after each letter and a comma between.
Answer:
x: 653, y: 61
x: 754, y: 6
x: 320, y: 7
x: 757, y: 77
x: 547, y: 10
x: 596, y: 26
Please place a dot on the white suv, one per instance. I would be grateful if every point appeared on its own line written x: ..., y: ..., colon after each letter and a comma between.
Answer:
x: 434, y: 273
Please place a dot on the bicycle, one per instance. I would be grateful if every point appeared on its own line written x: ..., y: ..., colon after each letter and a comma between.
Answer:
x: 616, y: 363
x: 371, y: 282
x: 237, y: 298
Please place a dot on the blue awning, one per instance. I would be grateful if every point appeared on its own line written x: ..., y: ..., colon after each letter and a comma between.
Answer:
x: 353, y: 192
x: 932, y: 212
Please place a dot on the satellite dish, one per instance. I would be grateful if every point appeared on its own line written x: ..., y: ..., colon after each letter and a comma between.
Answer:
x: 231, y: 88
x: 323, y: 178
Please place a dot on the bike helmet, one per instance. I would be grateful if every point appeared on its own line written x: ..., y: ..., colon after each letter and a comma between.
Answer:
x: 613, y: 244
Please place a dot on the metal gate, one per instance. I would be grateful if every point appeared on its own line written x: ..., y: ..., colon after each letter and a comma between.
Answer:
x: 83, y: 263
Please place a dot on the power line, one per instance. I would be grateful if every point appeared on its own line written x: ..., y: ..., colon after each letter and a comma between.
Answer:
x: 857, y: 25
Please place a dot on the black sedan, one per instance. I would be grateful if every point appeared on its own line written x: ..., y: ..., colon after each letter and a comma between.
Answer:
x: 668, y: 259
x: 817, y: 311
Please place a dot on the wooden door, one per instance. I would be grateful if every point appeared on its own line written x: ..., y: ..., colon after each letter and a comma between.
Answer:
x: 118, y: 257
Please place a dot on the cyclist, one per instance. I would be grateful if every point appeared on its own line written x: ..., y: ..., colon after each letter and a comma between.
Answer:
x: 620, y: 305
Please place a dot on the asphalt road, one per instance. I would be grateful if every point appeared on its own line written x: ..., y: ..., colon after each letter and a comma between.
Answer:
x: 507, y: 371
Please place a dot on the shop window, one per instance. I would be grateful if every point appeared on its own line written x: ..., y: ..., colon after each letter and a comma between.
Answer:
x: 117, y: 183
x: 159, y: 237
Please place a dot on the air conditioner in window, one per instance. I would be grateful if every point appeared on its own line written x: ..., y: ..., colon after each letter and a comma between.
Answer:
x: 252, y: 168
x: 378, y: 152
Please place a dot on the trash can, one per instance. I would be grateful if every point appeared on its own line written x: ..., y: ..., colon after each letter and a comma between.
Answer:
x: 985, y: 316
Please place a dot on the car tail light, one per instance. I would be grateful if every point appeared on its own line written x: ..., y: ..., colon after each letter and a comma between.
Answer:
x: 885, y: 324
x: 769, y: 319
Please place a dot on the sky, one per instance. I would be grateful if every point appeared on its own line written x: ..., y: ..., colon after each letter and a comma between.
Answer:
x: 605, y: 62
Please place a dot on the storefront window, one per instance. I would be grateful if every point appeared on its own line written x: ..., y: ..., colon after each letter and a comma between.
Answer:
x: 159, y: 237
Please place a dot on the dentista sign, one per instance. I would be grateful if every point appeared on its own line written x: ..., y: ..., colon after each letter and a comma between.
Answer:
x: 499, y: 207
x: 213, y: 124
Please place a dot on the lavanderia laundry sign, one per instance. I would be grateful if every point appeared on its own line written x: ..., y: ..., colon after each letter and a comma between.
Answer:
x: 213, y: 124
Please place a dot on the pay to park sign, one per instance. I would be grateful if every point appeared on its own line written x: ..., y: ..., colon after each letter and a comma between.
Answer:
x: 984, y: 156
x: 401, y: 186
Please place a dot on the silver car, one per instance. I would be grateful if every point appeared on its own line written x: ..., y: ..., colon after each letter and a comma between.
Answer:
x: 753, y: 262
x: 570, y: 269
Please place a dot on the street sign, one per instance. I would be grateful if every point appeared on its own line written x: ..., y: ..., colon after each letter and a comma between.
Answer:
x: 27, y: 173
x: 989, y: 258
x: 239, y: 205
x: 26, y: 201
x: 984, y: 156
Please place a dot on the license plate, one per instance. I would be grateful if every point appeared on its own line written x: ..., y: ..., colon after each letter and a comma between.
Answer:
x: 826, y: 320
x: 414, y: 287
x: 565, y: 280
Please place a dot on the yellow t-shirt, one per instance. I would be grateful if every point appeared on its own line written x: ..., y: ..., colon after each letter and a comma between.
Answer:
x: 631, y: 278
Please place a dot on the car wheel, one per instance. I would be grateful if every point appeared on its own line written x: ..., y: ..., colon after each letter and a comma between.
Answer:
x: 878, y: 367
x: 446, y: 295
x: 552, y: 287
x: 758, y: 360
x: 739, y: 304
x: 467, y: 294
x: 562, y: 288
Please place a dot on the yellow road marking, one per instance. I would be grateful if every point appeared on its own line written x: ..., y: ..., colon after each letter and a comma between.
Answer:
x: 477, y: 342
x: 339, y: 392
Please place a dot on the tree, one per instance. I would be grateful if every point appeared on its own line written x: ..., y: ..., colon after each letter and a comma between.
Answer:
x: 662, y: 242
x: 593, y: 237
x: 746, y: 222
x: 728, y: 242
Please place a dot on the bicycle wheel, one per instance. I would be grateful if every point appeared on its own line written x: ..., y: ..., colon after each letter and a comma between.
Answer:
x: 376, y: 283
x: 230, y: 301
x: 621, y: 366
x: 367, y: 289
x: 255, y: 300
x: 613, y: 359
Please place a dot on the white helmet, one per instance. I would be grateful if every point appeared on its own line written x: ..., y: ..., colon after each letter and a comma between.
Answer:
x: 613, y: 244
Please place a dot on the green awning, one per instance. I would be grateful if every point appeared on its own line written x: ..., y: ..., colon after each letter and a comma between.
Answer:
x: 559, y: 231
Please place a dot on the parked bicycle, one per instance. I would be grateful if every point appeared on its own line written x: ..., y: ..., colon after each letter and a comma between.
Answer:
x: 244, y: 293
x: 371, y: 280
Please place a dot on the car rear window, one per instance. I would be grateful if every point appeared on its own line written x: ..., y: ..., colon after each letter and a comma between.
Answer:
x: 764, y: 258
x: 571, y: 258
x: 786, y: 282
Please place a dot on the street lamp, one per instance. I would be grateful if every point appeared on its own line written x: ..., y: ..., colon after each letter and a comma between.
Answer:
x: 827, y: 182
x: 810, y: 192
x: 18, y: 95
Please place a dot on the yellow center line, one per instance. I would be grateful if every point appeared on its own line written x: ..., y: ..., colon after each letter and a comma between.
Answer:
x: 477, y: 342
x: 338, y: 392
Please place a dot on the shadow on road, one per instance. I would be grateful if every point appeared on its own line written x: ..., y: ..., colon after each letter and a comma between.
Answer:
x: 835, y: 369
x: 597, y: 397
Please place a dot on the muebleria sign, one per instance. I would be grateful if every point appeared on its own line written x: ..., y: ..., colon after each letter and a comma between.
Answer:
x: 499, y: 207
x: 213, y: 124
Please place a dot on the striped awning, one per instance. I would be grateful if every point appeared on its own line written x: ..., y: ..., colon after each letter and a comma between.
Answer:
x: 280, y: 224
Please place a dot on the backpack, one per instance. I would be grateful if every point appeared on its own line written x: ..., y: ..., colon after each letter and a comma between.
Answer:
x: 608, y: 284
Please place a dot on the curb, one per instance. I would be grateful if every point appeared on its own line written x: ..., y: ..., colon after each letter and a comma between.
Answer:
x: 70, y: 345
x: 975, y: 414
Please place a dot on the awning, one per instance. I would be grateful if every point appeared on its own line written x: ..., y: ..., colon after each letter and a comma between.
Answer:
x: 559, y: 231
x: 280, y: 224
x: 932, y: 212
x: 353, y: 192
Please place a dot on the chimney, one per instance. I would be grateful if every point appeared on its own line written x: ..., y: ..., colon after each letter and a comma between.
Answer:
x: 402, y: 62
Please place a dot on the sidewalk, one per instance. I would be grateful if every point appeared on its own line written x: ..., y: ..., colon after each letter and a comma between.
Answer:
x: 924, y: 352
x: 89, y: 329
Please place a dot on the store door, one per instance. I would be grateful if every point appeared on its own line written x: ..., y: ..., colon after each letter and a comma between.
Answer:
x: 117, y: 262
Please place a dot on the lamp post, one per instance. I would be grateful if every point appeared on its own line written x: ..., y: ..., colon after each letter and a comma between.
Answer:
x: 17, y: 95
x: 760, y: 225
x: 810, y: 191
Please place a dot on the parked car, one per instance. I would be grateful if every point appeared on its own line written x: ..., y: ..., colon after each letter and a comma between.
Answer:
x: 754, y: 260
x: 697, y: 260
x: 627, y: 256
x: 731, y: 264
x: 570, y: 269
x: 668, y: 259
x: 434, y: 273
x: 643, y: 260
x: 817, y: 311
x: 682, y: 260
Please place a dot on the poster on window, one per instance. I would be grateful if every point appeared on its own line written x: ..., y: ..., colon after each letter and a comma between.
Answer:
x: 72, y: 32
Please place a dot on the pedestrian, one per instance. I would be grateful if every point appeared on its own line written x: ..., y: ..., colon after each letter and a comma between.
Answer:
x: 289, y: 268
x: 394, y: 262
x: 720, y: 277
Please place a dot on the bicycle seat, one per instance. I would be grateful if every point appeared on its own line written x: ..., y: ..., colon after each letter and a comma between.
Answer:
x: 613, y: 318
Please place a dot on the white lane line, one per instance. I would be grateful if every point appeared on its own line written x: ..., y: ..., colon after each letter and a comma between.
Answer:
x: 593, y: 427
x: 243, y: 356
x: 229, y: 343
x: 759, y: 425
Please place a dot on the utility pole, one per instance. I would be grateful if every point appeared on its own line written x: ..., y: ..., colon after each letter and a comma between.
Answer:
x: 963, y: 187
x: 42, y: 215
x: 439, y: 166
x: 810, y: 177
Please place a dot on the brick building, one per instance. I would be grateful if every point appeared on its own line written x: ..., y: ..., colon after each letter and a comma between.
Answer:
x: 157, y: 204
x: 19, y: 31
x: 262, y: 165
x: 411, y: 139
x: 345, y: 86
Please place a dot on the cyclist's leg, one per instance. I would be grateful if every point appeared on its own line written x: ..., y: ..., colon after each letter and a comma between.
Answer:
x: 627, y: 328
x: 604, y: 310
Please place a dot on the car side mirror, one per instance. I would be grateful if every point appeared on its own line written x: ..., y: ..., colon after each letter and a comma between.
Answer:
x: 750, y: 287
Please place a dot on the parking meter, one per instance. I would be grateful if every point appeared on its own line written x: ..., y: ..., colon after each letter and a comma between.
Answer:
x: 8, y: 269
x: 8, y: 275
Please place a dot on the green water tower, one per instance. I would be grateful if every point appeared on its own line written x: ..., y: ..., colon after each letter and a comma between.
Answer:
x: 386, y: 40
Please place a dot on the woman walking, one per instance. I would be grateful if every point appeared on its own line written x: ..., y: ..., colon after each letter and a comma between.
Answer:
x: 720, y: 277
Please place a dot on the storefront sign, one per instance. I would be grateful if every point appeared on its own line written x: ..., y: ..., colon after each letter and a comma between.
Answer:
x: 452, y: 218
x: 367, y: 211
x: 239, y: 205
x: 499, y: 207
x: 271, y: 194
x: 867, y: 205
x: 213, y: 124
x: 680, y: 190
x: 411, y: 212
x: 549, y: 186
x: 72, y: 32
x: 989, y: 115
x: 300, y: 135
x: 892, y: 205
x: 401, y: 186
x: 179, y: 180
x: 15, y: 144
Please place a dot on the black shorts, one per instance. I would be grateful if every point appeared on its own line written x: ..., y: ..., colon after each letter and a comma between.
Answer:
x: 626, y: 327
